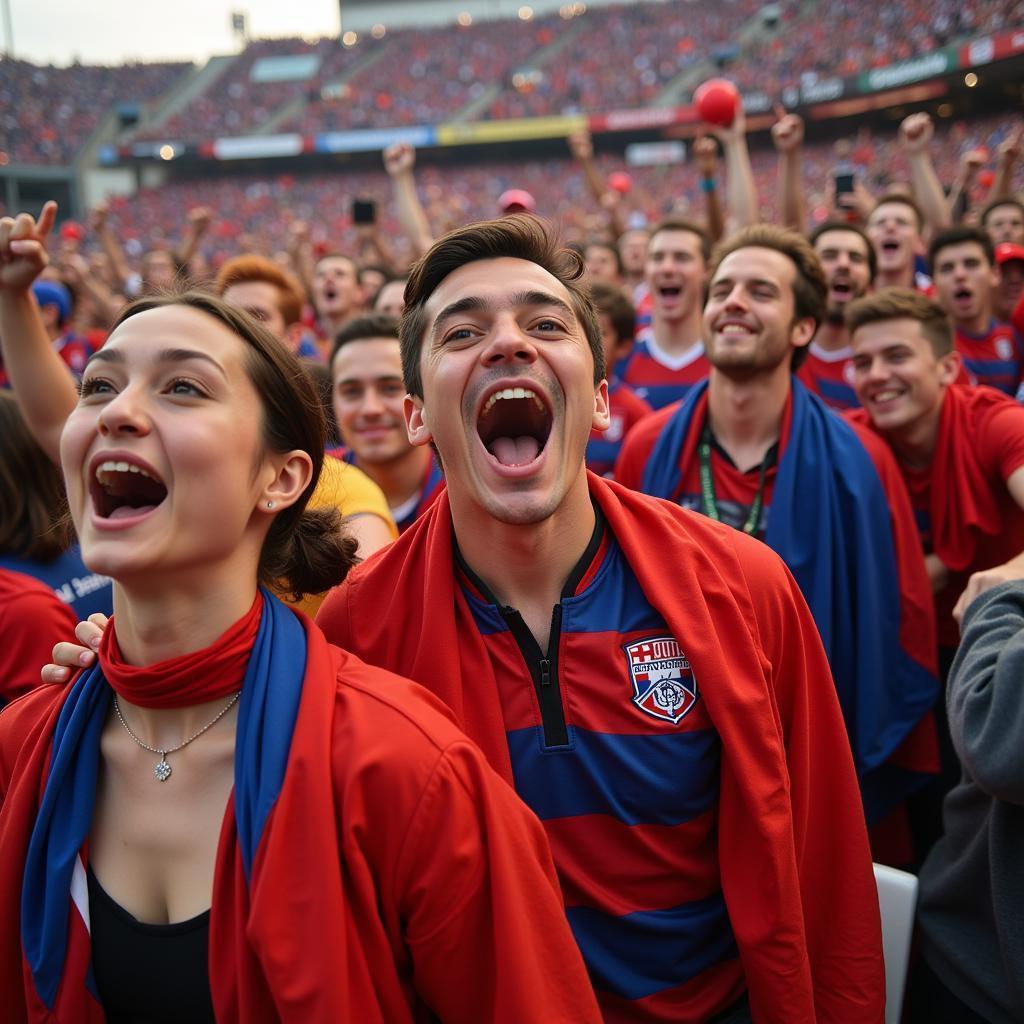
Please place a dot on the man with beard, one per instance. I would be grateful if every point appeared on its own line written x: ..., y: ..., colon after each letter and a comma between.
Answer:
x: 966, y: 279
x: 849, y: 260
x: 1003, y: 219
x: 755, y: 449
x: 668, y: 357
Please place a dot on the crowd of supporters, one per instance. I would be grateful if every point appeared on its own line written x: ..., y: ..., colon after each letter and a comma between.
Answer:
x: 808, y: 340
x: 618, y: 57
x: 261, y: 210
x: 47, y: 113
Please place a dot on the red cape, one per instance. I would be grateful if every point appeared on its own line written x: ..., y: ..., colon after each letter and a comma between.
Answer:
x: 391, y: 854
x: 966, y: 513
x: 793, y: 850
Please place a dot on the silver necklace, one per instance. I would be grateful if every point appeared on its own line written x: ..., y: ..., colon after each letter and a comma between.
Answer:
x: 163, y: 770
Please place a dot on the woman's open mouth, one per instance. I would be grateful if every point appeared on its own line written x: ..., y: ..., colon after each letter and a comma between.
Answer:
x: 124, y: 490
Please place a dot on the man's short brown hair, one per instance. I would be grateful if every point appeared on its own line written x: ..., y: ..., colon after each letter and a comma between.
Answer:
x: 518, y: 236
x: 958, y: 235
x: 904, y: 304
x: 905, y: 200
x: 250, y: 268
x: 681, y: 224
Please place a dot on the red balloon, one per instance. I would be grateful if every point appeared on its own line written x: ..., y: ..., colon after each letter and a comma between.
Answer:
x: 620, y: 181
x: 717, y: 101
x: 986, y: 178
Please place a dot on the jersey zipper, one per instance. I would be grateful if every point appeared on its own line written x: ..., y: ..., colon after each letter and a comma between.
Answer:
x: 544, y: 671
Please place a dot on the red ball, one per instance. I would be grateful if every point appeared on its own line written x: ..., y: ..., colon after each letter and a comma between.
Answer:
x: 717, y: 101
x: 620, y: 181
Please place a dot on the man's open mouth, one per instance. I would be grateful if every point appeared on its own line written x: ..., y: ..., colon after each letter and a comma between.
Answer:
x: 963, y: 295
x: 670, y: 292
x: 121, y: 490
x: 514, y: 425
x: 890, y: 247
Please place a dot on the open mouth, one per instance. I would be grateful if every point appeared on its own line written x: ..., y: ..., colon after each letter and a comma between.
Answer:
x: 963, y: 295
x: 514, y: 425
x: 122, y: 490
x: 842, y: 289
x: 890, y: 247
x: 670, y: 292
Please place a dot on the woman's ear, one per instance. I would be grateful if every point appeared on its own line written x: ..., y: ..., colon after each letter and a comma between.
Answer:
x: 291, y: 473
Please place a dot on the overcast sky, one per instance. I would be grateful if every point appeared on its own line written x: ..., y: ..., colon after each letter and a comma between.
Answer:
x: 115, y: 31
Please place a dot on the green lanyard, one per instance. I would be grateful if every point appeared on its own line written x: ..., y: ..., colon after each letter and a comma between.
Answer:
x: 707, y: 484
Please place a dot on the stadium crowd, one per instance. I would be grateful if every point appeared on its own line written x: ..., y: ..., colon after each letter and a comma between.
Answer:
x: 47, y: 113
x: 621, y: 57
x: 530, y: 590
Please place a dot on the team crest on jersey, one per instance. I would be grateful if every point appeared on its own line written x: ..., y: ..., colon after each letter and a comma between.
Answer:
x: 1003, y: 348
x: 849, y: 374
x: 664, y: 685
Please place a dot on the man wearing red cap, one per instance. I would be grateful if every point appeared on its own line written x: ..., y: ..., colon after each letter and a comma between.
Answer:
x: 516, y: 200
x: 1009, y: 299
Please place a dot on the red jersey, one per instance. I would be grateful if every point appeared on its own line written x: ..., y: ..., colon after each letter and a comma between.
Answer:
x: 32, y: 618
x: 964, y: 512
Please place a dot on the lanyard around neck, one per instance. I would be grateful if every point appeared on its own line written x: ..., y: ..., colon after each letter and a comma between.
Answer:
x: 707, y: 484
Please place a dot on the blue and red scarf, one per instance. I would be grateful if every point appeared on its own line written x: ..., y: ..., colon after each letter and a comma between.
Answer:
x: 277, y: 876
x: 830, y: 523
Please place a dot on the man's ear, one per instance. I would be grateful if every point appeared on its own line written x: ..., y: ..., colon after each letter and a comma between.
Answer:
x: 416, y: 421
x: 802, y: 332
x: 949, y: 368
x: 602, y: 408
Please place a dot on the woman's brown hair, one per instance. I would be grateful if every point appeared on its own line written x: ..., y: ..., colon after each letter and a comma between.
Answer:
x: 306, y: 550
x: 33, y: 523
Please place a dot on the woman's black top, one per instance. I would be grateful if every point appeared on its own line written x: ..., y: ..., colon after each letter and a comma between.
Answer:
x: 149, y: 973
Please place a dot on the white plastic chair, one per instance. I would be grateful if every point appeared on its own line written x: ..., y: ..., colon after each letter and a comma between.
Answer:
x: 897, y: 901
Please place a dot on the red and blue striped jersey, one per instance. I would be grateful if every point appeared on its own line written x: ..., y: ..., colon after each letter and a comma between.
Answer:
x: 995, y: 358
x: 657, y: 378
x: 612, y: 747
x: 625, y: 410
x: 829, y: 375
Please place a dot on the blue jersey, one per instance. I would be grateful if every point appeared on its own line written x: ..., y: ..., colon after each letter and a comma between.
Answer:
x: 612, y: 748
x: 71, y: 581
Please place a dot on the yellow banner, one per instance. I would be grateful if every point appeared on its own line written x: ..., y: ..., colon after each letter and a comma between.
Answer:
x: 513, y: 130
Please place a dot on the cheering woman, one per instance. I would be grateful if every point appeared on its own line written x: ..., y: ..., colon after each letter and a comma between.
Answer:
x: 225, y: 818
